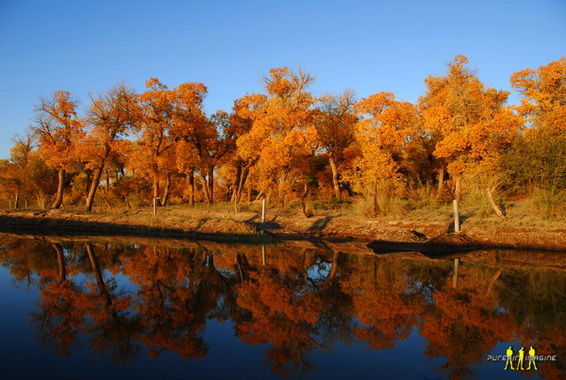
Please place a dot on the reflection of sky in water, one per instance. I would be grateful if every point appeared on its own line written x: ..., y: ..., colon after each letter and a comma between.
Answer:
x: 227, y: 356
x: 319, y: 270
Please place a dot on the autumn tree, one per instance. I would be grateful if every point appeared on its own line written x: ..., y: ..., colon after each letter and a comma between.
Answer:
x: 112, y: 117
x: 543, y: 143
x: 153, y: 153
x: 194, y: 136
x: 60, y: 130
x: 15, y: 171
x: 243, y: 157
x: 468, y: 123
x: 282, y: 134
x: 26, y: 174
x: 335, y: 120
x: 385, y: 127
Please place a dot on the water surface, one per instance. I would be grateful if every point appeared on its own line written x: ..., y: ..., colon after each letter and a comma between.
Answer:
x: 170, y: 309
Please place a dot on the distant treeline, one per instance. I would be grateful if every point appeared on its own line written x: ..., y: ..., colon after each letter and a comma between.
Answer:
x: 291, y: 145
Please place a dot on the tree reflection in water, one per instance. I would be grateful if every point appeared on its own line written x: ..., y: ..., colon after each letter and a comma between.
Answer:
x: 294, y: 300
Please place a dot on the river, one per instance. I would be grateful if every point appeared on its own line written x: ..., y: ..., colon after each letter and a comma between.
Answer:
x: 114, y: 308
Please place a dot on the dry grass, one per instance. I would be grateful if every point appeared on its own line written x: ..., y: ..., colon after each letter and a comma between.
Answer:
x: 432, y: 218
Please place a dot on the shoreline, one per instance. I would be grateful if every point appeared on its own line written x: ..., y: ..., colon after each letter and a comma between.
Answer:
x: 219, y: 226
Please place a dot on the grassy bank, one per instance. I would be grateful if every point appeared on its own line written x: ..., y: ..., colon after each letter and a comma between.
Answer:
x: 520, y: 228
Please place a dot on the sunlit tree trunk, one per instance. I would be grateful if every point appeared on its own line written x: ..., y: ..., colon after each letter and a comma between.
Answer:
x: 155, y: 187
x: 334, y: 176
x: 211, y: 184
x: 167, y: 190
x: 494, y: 205
x: 236, y: 187
x: 457, y: 188
x: 205, y: 187
x: 17, y: 199
x: 93, y: 187
x: 303, y: 198
x: 59, y: 195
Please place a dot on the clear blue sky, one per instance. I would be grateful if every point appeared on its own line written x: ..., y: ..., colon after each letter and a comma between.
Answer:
x: 369, y: 46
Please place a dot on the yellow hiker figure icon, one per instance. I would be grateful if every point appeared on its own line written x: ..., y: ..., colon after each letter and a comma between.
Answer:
x: 532, y: 358
x: 509, y: 358
x: 521, y: 358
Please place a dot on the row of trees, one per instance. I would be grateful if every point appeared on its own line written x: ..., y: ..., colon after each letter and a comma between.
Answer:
x: 288, y: 144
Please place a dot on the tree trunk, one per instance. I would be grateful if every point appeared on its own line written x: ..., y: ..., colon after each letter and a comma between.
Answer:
x: 205, y: 188
x: 59, y: 195
x: 303, y: 203
x: 166, y: 191
x: 334, y: 176
x: 155, y: 186
x: 211, y: 184
x: 242, y: 182
x: 457, y: 188
x: 88, y: 180
x: 191, y: 178
x: 375, y: 200
x: 127, y: 201
x: 93, y: 187
x: 281, y: 190
x: 494, y: 205
x: 441, y: 175
x: 107, y: 172
x: 236, y: 185
x: 17, y: 199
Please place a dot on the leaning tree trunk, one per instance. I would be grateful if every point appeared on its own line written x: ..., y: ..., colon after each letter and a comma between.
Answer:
x: 167, y: 190
x: 93, y: 187
x: 334, y: 176
x: 60, y: 182
x: 241, y: 177
x: 494, y: 205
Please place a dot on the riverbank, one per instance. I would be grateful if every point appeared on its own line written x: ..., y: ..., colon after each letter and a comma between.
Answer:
x: 220, y: 221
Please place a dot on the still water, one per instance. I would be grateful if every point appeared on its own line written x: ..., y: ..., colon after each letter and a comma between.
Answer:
x: 73, y: 309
